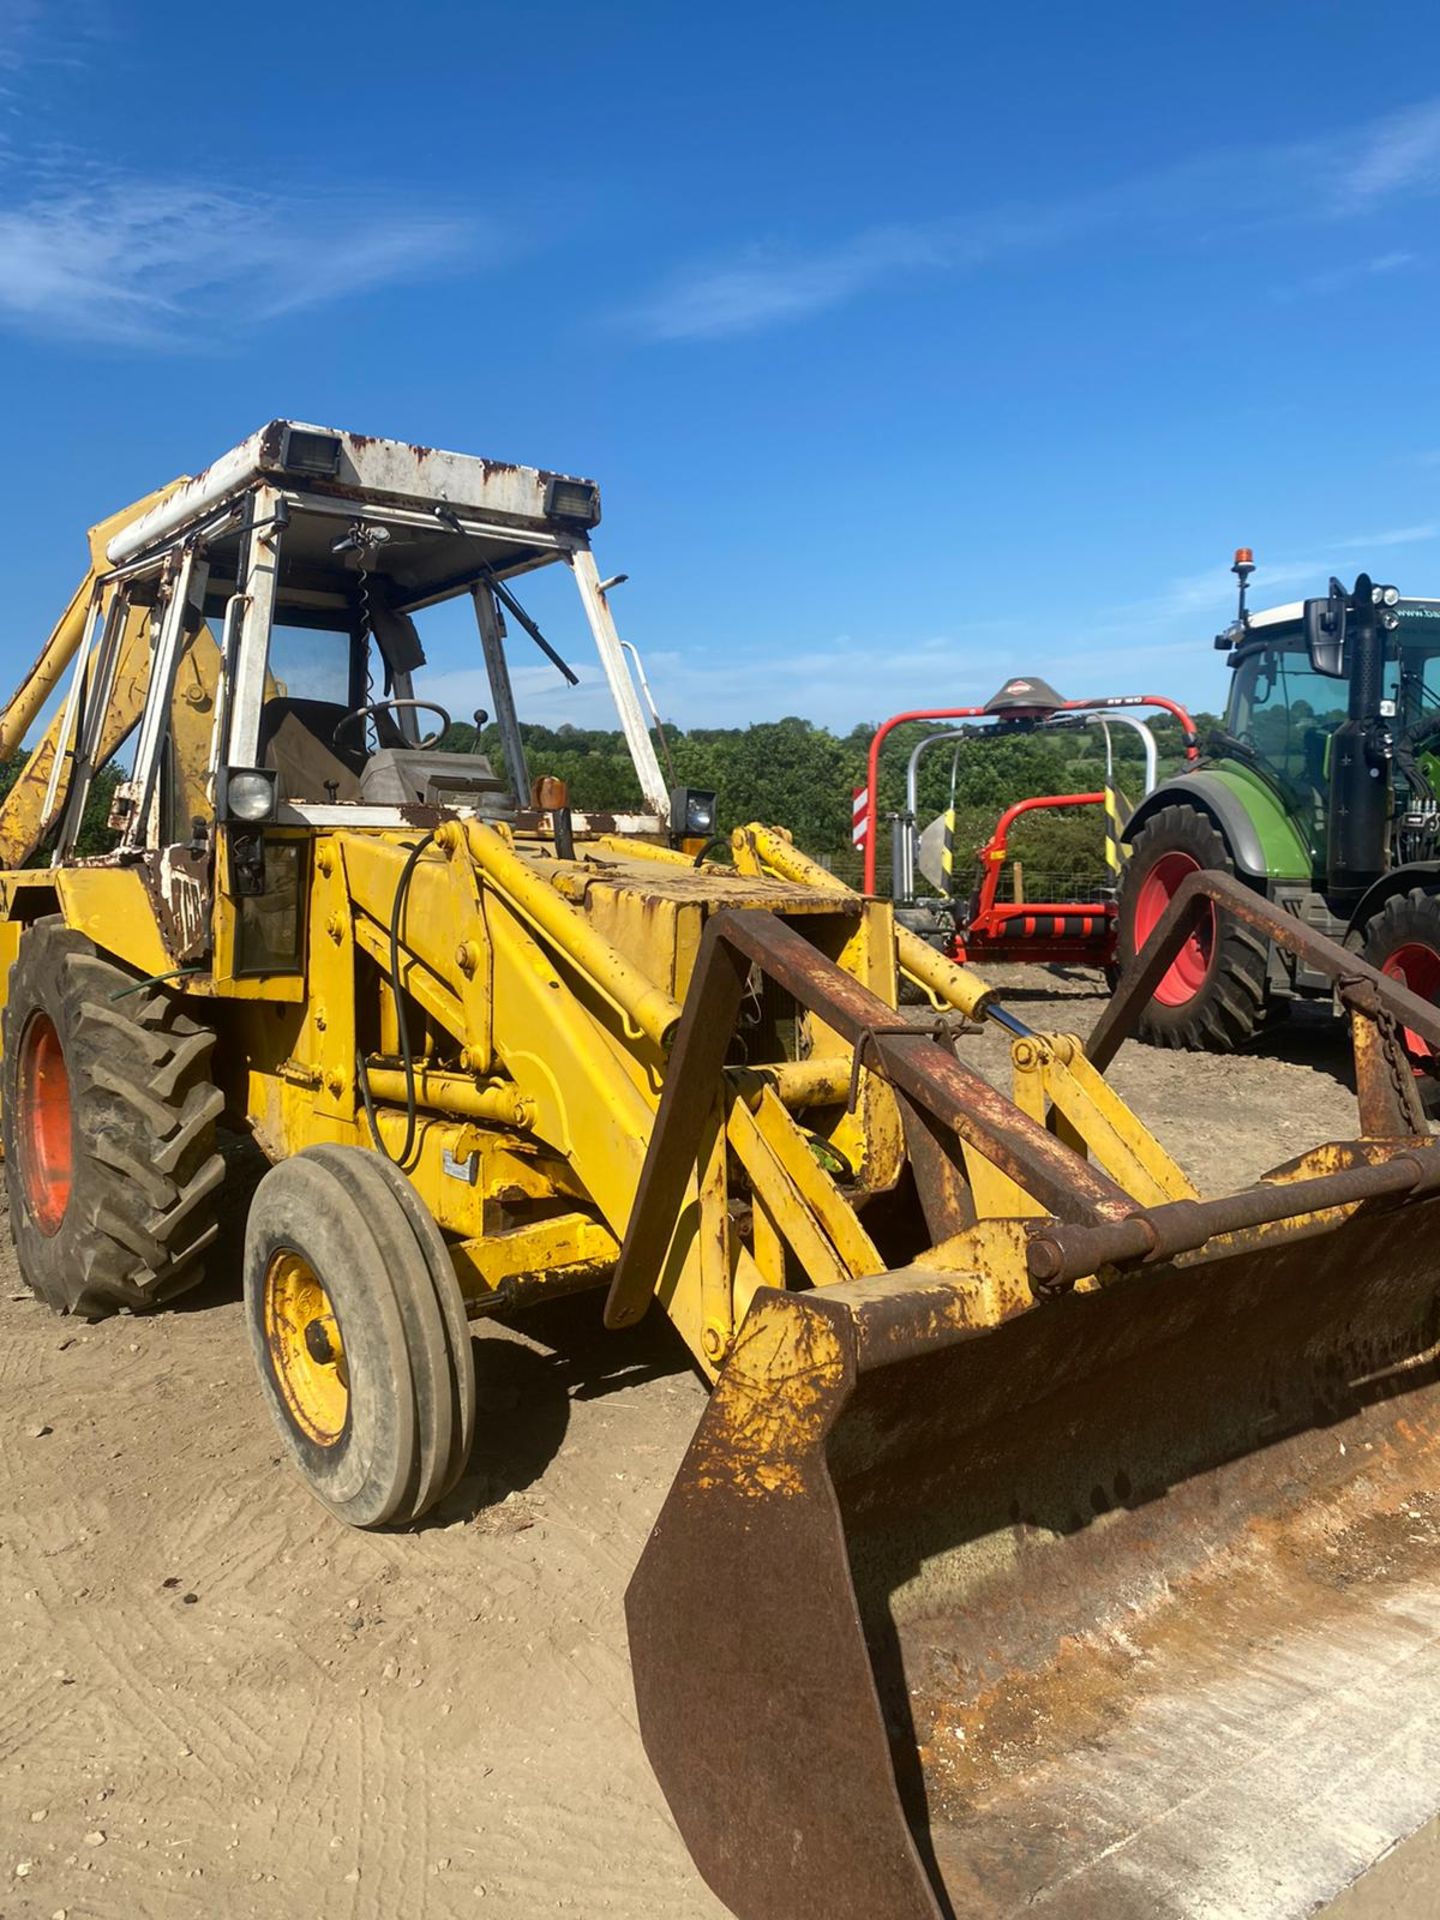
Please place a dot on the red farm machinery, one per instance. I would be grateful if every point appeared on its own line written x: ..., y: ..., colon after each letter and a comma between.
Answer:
x: 966, y: 916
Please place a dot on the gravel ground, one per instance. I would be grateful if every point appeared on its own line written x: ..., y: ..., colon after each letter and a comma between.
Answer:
x: 215, y: 1701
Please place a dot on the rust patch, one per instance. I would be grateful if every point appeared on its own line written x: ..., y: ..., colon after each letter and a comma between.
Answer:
x: 1307, y: 1563
x: 763, y: 1431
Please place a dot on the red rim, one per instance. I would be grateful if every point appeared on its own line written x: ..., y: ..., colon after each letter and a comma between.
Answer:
x: 1418, y: 965
x: 1157, y: 889
x: 43, y: 1133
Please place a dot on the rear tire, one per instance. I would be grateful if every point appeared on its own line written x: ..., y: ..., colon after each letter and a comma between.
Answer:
x: 1403, y: 941
x: 359, y: 1332
x: 1214, y: 996
x: 109, y: 1130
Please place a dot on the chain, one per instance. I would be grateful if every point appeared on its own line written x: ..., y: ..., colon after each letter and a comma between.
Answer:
x: 1402, y: 1080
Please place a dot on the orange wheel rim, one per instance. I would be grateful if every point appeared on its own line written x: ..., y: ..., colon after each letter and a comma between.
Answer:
x: 43, y: 1133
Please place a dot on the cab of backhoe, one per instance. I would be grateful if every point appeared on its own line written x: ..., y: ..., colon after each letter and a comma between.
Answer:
x: 265, y: 637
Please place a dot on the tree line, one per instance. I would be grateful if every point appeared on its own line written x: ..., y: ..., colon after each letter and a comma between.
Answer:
x: 795, y: 774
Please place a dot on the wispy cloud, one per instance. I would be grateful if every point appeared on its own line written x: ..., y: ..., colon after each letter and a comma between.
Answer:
x: 157, y: 263
x: 1402, y: 153
x: 1158, y: 642
x: 1345, y: 274
x: 1393, y: 537
x: 41, y: 35
x: 183, y: 261
x: 1301, y: 183
x: 764, y: 286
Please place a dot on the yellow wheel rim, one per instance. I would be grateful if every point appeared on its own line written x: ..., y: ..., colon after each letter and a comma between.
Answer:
x: 303, y: 1336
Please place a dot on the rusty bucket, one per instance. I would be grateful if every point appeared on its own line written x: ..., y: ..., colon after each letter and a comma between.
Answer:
x: 1126, y: 1607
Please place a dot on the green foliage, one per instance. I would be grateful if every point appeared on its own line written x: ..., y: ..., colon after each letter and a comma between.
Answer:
x: 787, y: 771
x: 793, y: 774
x: 94, y: 836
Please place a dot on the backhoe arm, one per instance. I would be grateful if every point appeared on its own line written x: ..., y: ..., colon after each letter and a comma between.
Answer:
x: 22, y: 821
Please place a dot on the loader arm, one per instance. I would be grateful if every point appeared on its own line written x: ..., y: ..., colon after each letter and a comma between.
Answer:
x: 968, y: 1556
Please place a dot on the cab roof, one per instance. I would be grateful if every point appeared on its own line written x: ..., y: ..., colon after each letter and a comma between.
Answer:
x: 358, y: 467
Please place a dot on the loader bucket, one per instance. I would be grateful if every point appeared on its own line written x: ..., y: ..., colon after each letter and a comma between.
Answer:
x: 1125, y: 1607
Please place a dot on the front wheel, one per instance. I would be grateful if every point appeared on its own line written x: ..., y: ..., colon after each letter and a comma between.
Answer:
x: 1214, y: 995
x: 1403, y: 941
x: 358, y: 1327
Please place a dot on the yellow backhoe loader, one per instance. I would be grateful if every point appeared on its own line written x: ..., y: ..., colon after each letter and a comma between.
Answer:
x: 1055, y: 1538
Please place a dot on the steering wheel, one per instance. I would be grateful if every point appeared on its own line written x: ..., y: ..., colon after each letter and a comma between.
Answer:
x: 389, y: 706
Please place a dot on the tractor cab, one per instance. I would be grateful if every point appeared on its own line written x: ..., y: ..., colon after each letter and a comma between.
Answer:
x: 1291, y: 695
x: 1282, y: 714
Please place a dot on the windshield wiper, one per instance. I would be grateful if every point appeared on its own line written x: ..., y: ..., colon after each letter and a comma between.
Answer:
x: 512, y: 605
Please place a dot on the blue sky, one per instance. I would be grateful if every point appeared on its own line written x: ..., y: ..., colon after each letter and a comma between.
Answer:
x: 912, y: 346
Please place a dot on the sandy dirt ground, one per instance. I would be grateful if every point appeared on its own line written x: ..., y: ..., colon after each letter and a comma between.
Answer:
x: 216, y: 1701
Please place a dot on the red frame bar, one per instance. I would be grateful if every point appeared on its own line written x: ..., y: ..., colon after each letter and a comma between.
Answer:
x: 992, y: 854
x: 887, y: 727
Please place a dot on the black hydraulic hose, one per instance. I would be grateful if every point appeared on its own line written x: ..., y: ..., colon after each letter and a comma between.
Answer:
x: 402, y: 1022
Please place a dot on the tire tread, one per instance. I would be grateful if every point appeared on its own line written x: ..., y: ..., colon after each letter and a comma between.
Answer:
x: 147, y: 1170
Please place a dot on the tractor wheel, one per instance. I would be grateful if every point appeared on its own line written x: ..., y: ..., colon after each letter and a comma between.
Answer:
x: 109, y: 1130
x: 1403, y: 941
x: 1214, y: 996
x: 358, y: 1327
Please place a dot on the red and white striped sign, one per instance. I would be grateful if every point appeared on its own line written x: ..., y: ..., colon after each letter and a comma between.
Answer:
x: 860, y: 816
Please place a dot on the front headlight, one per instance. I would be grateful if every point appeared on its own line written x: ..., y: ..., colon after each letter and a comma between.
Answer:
x: 249, y: 795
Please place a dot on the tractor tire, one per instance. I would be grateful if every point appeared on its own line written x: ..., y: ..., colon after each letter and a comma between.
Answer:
x: 1403, y: 941
x: 360, y: 1335
x: 1214, y: 997
x: 109, y: 1130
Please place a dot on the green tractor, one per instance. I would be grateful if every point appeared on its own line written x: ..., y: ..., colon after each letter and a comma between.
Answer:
x: 1321, y: 791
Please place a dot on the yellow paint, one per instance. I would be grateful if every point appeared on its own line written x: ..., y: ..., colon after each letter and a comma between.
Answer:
x: 112, y: 907
x: 763, y: 1432
x: 1055, y: 1084
x: 306, y: 1351
x: 542, y: 997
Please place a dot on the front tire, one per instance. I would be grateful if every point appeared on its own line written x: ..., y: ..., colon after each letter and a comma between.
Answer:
x: 109, y: 1130
x: 1214, y: 995
x: 359, y: 1332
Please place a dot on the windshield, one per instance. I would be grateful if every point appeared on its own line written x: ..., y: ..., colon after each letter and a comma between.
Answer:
x: 1285, y: 713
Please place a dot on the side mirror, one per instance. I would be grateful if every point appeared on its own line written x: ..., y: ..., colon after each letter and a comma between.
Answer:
x: 1325, y: 632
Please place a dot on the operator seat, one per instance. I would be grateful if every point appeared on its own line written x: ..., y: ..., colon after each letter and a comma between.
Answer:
x: 296, y: 739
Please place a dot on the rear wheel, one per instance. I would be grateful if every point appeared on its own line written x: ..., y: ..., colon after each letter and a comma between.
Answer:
x: 359, y: 1332
x: 1403, y: 941
x: 109, y: 1130
x: 1214, y: 994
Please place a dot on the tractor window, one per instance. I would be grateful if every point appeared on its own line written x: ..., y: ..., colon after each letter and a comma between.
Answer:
x: 1414, y: 684
x: 1285, y: 713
